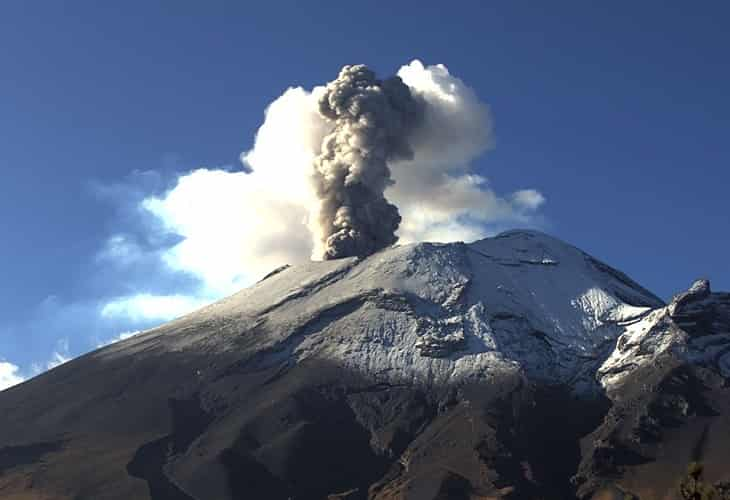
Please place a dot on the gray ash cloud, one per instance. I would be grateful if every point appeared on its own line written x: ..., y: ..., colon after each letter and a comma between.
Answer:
x: 372, y: 121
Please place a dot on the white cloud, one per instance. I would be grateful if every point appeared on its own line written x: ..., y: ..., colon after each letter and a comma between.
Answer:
x: 458, y: 125
x: 9, y: 375
x: 57, y: 359
x: 120, y: 337
x: 152, y: 307
x: 60, y: 356
x: 237, y: 226
x: 438, y: 194
x: 120, y: 249
x: 529, y: 199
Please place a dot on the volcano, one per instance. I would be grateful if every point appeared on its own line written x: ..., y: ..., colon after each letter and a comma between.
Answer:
x: 517, y: 366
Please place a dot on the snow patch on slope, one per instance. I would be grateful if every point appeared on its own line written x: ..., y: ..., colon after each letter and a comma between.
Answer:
x: 430, y: 313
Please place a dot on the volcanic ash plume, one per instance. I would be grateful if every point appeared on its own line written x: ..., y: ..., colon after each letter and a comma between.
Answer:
x: 371, y: 123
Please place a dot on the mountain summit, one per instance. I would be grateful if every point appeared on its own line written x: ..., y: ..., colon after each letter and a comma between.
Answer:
x: 516, y: 366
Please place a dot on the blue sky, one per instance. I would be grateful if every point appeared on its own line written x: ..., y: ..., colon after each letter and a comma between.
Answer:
x: 617, y: 113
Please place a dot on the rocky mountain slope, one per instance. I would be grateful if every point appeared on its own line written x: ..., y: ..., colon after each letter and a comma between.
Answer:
x: 517, y: 366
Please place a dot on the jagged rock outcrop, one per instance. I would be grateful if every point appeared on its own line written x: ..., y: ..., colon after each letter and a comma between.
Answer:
x: 668, y: 382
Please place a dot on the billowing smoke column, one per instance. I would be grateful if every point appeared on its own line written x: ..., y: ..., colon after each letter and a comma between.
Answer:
x: 371, y: 123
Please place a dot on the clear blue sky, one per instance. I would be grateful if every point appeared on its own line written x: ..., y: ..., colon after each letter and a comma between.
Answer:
x: 618, y: 112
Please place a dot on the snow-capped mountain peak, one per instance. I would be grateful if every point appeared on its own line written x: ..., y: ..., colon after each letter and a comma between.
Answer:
x: 435, y: 313
x: 515, y: 365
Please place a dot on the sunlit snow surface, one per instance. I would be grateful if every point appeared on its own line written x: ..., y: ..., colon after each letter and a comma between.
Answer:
x: 431, y: 313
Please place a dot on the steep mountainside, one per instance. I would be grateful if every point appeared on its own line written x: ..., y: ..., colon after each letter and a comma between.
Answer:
x: 517, y: 366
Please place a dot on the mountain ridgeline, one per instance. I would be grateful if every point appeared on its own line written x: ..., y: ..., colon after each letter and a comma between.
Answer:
x: 514, y: 367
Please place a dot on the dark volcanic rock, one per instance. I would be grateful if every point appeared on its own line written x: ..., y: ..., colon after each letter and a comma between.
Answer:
x: 440, y: 347
x: 700, y: 312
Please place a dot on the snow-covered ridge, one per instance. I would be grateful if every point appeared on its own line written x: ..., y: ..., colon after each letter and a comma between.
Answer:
x: 694, y: 326
x: 430, y: 313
